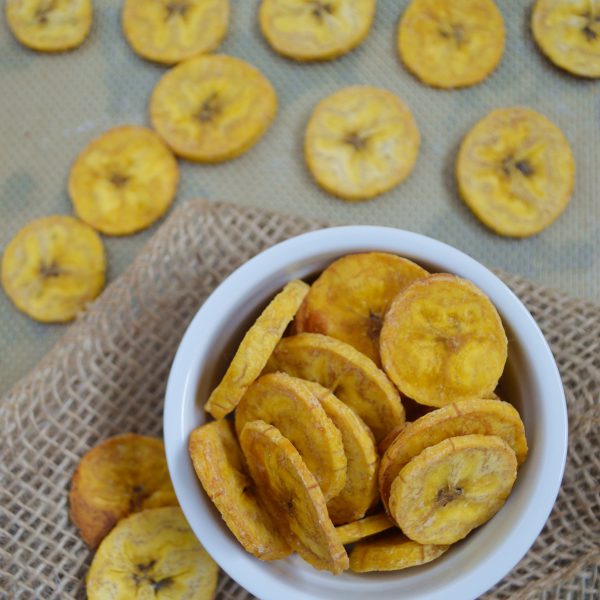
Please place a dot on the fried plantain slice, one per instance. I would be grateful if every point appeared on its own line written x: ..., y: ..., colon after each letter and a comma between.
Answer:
x: 392, y: 552
x: 256, y: 347
x: 288, y: 404
x: 212, y: 108
x: 219, y: 465
x: 357, y: 530
x: 442, y: 340
x: 568, y: 33
x: 516, y: 171
x: 350, y: 375
x: 315, y: 29
x: 360, y: 490
x: 351, y: 296
x: 360, y: 142
x: 123, y: 181
x: 169, y: 31
x: 49, y: 25
x: 451, y: 43
x: 53, y: 267
x: 121, y: 475
x: 453, y: 487
x: 292, y: 496
x: 152, y: 554
x: 483, y: 417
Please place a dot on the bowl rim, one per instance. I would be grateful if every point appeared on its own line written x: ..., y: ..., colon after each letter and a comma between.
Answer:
x: 335, y: 242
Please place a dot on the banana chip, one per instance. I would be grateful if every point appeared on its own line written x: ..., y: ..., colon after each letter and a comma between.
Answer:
x: 568, y: 33
x: 442, y: 340
x: 292, y: 496
x: 288, y: 404
x: 219, y: 464
x: 169, y: 31
x: 212, y: 108
x: 453, y: 487
x: 53, y: 267
x: 352, y: 532
x: 256, y: 347
x: 123, y: 181
x: 315, y: 29
x: 516, y: 171
x: 152, y: 554
x: 451, y: 43
x: 49, y: 25
x: 360, y: 142
x: 122, y: 475
x: 350, y: 375
x: 352, y: 295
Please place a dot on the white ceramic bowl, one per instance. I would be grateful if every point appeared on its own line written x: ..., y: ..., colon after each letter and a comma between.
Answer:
x: 531, y: 382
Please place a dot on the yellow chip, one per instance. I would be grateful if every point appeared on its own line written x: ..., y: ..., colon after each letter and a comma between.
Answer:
x: 451, y: 43
x: 152, y: 554
x: 315, y: 29
x: 123, y: 181
x: 442, y: 341
x: 212, y: 108
x: 53, y: 267
x: 124, y: 474
x: 515, y: 171
x: 49, y: 25
x: 169, y: 31
x: 352, y: 532
x: 453, y: 487
x: 292, y: 496
x: 219, y: 465
x: 352, y: 295
x: 289, y: 404
x: 568, y: 33
x: 256, y: 347
x: 360, y: 142
x: 350, y: 375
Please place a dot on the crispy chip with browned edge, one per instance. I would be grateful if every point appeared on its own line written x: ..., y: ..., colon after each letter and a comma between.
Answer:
x: 442, y: 340
x: 484, y: 417
x: 352, y: 295
x: 256, y: 347
x: 121, y: 475
x: 357, y: 530
x: 152, y: 554
x: 453, y: 487
x: 349, y: 374
x: 288, y: 404
x: 219, y: 464
x: 292, y: 496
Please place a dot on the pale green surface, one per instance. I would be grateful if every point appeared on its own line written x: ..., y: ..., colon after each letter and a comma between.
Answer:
x: 52, y: 105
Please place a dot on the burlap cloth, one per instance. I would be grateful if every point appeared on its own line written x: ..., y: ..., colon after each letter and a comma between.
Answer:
x: 107, y: 375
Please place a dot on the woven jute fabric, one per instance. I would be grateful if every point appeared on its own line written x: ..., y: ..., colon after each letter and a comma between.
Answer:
x: 108, y: 375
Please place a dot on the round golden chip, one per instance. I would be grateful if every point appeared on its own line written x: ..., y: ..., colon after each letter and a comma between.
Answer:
x: 123, y: 181
x: 152, y: 554
x: 121, y: 475
x: 53, y: 267
x: 442, y: 341
x: 453, y: 487
x: 287, y: 403
x: 360, y: 142
x: 315, y: 29
x: 49, y: 25
x: 169, y: 31
x: 357, y: 530
x: 256, y: 347
x: 568, y: 33
x: 212, y: 108
x: 352, y: 295
x: 293, y: 496
x: 451, y: 43
x: 219, y: 465
x: 515, y: 171
x: 350, y: 375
